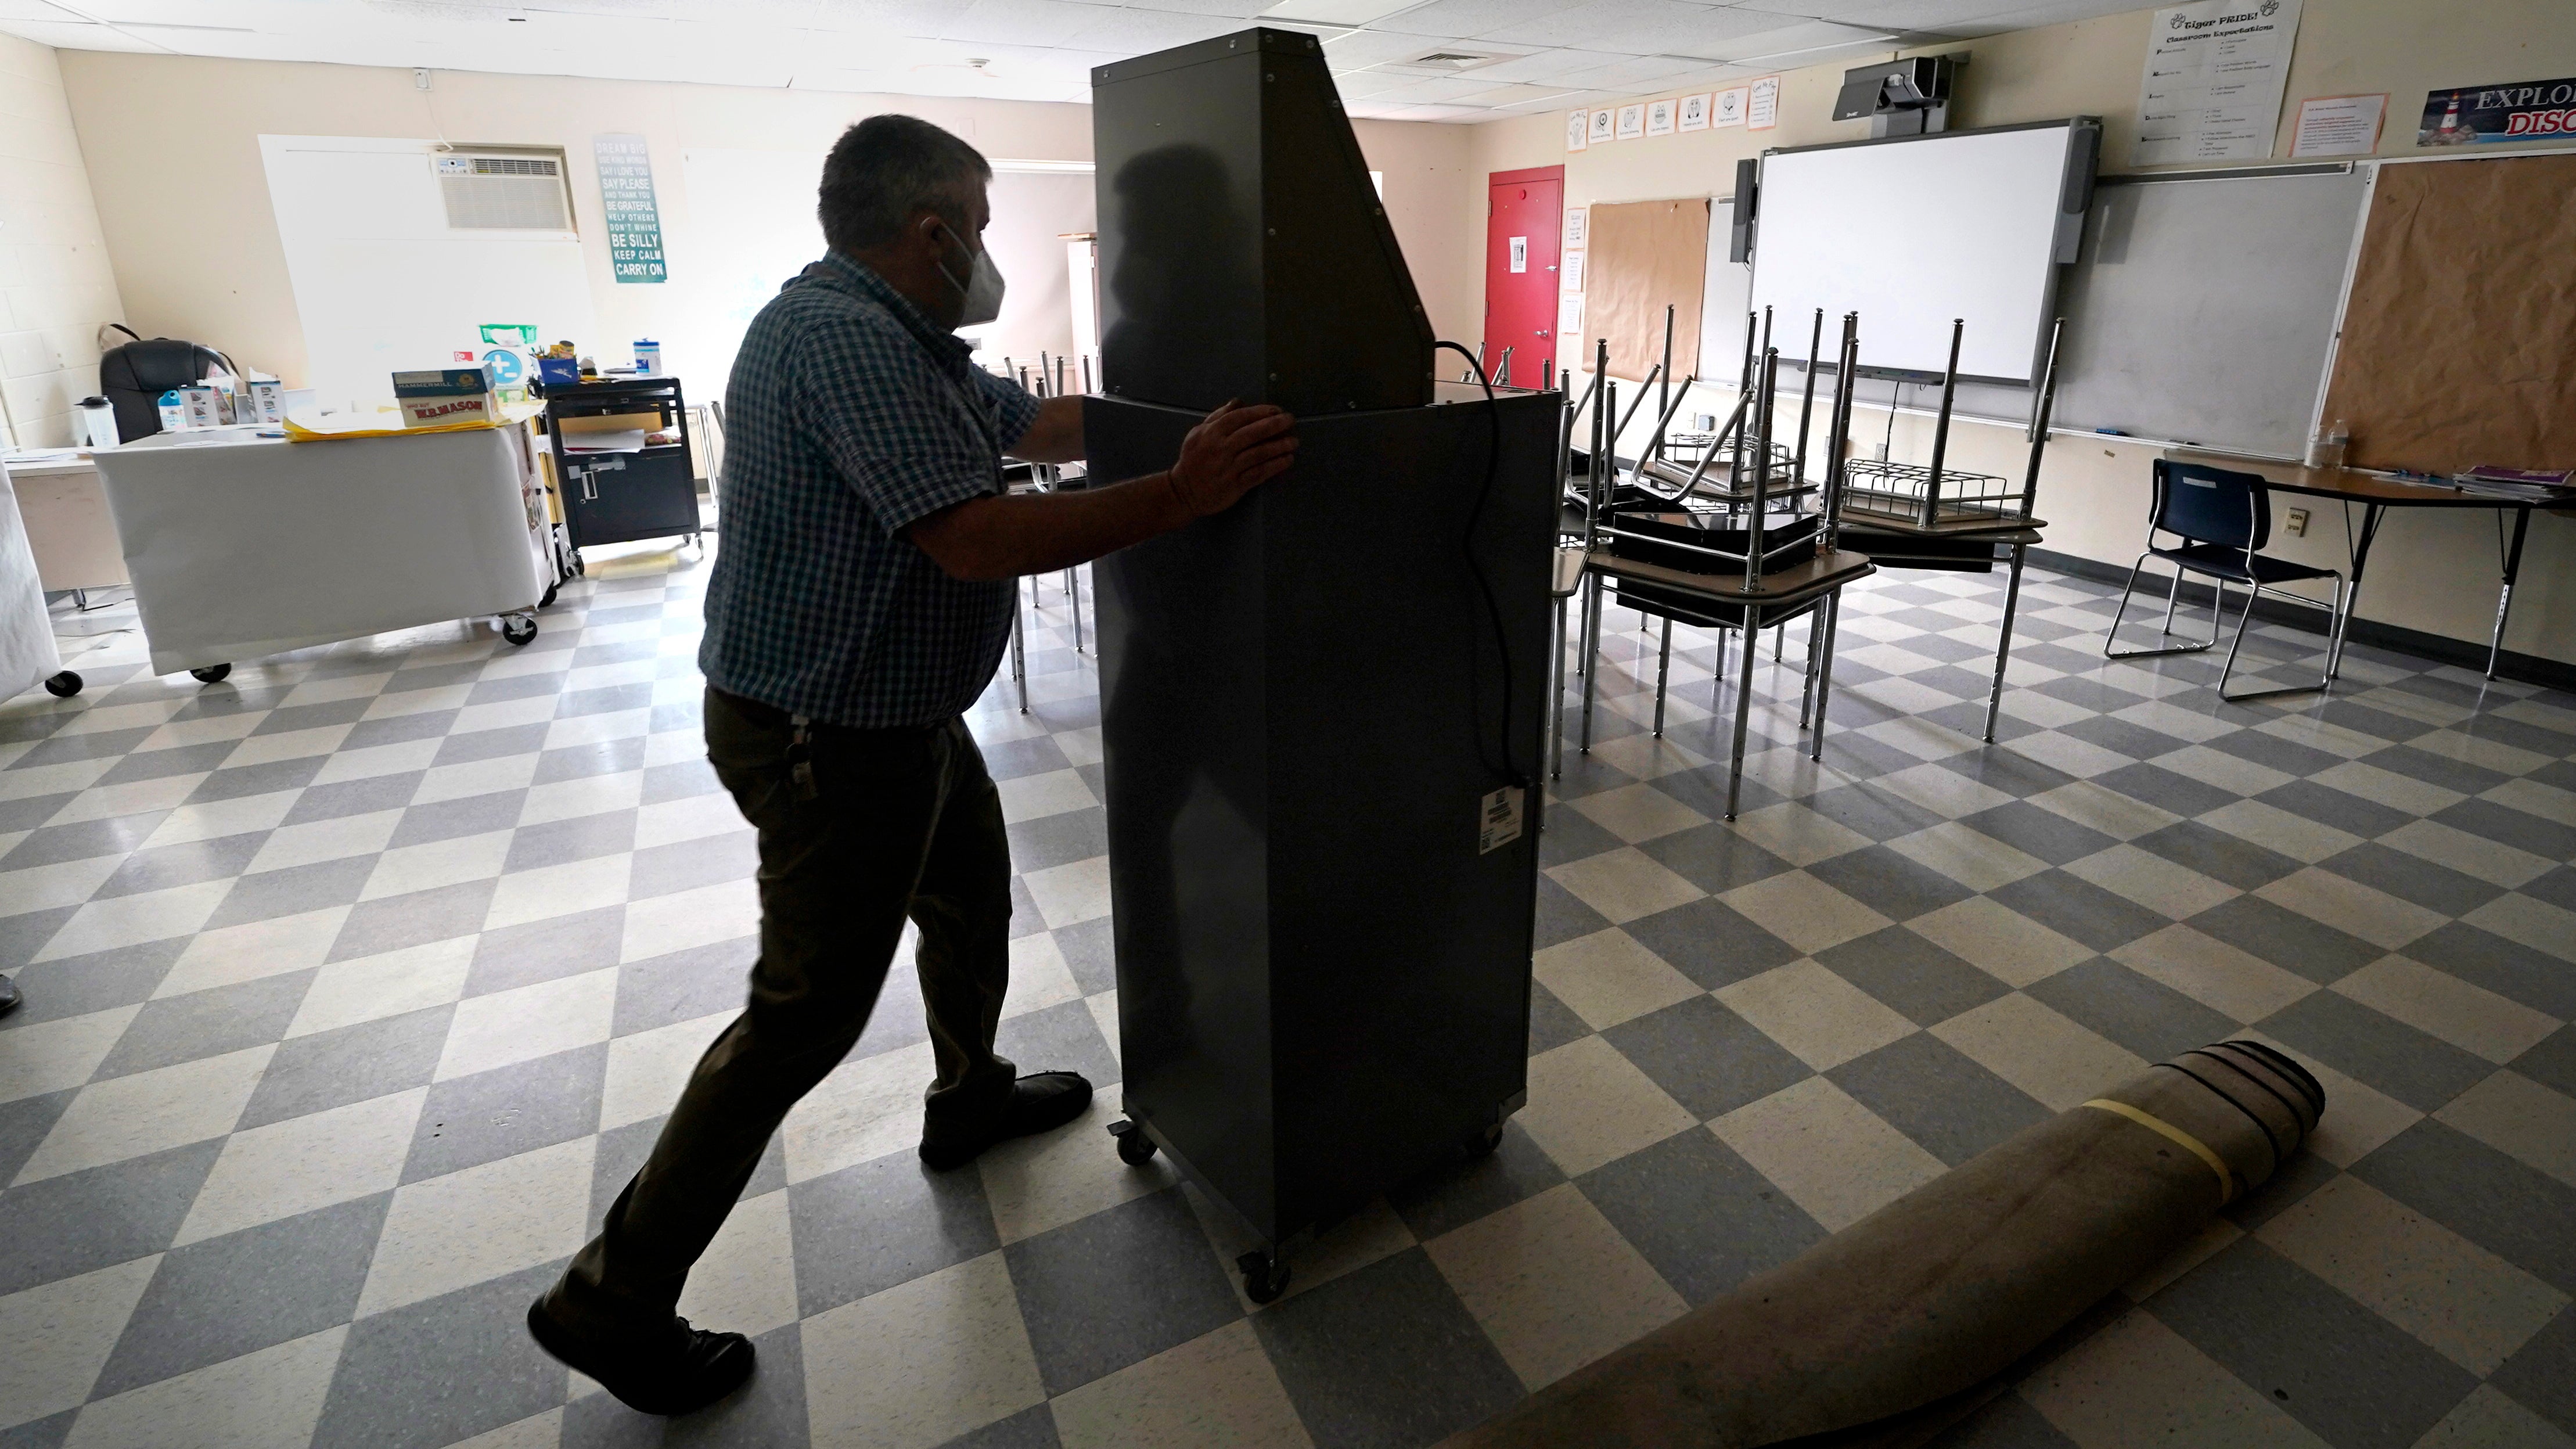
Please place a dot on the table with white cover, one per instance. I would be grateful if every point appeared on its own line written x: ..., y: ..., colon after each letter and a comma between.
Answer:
x: 28, y: 656
x: 240, y: 545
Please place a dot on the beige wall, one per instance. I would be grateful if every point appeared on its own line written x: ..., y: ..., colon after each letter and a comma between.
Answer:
x: 195, y: 240
x: 56, y: 287
x: 2430, y: 571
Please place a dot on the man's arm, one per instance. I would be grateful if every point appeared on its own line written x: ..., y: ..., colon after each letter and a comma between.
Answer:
x: 1056, y: 436
x: 1231, y: 452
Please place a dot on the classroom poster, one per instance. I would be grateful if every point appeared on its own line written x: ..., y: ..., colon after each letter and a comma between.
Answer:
x: 1727, y: 108
x: 1762, y: 108
x: 1632, y: 122
x: 1659, y: 118
x: 1578, y: 130
x: 2519, y: 111
x: 2212, y: 88
x: 1695, y: 112
x: 1571, y: 273
x: 1569, y: 317
x: 634, y: 218
x: 1577, y: 222
x: 2339, y: 125
x: 1601, y: 127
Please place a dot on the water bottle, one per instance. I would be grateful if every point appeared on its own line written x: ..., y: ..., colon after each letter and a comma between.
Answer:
x: 98, y: 424
x: 174, y: 413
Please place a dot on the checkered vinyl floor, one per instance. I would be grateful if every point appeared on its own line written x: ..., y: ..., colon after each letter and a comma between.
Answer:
x: 358, y: 984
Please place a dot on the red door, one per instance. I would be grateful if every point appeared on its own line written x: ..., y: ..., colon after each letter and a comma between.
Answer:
x: 1524, y: 218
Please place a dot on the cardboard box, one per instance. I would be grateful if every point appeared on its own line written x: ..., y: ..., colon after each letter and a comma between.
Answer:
x: 446, y: 395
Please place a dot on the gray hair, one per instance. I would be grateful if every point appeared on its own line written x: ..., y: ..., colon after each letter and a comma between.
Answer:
x: 885, y: 169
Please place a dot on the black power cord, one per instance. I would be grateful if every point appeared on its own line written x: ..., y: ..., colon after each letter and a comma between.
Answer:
x: 1467, y: 549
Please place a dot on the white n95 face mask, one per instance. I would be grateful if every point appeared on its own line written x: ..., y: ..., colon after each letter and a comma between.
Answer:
x: 983, y: 289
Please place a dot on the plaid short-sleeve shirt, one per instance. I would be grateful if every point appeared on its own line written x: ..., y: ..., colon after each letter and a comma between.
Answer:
x: 850, y: 417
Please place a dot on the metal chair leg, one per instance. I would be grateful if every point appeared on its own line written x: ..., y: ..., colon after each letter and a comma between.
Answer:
x: 2111, y: 638
x: 1825, y: 672
x: 1743, y: 710
x: 1591, y: 655
x: 2003, y: 642
x: 1556, y: 707
x: 2325, y: 677
x: 1073, y: 591
x: 1778, y: 632
x: 1019, y: 650
x: 1663, y: 669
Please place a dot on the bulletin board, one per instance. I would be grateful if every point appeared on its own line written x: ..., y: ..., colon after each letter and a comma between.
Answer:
x: 1646, y: 256
x: 2459, y: 332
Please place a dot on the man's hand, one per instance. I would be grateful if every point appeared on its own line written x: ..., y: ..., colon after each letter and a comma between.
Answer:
x: 1232, y: 452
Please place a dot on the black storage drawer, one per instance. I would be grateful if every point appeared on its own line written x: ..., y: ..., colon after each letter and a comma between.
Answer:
x: 619, y: 497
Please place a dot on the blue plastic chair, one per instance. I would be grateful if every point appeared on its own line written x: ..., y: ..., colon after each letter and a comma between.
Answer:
x: 2223, y: 520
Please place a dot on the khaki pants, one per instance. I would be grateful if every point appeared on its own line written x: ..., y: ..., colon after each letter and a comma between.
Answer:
x: 898, y: 824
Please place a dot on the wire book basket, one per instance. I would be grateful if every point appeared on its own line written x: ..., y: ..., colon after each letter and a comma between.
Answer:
x: 1928, y: 496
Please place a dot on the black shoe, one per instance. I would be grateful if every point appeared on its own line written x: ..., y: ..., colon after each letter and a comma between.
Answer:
x: 9, y: 999
x: 677, y: 1371
x: 1040, y: 1102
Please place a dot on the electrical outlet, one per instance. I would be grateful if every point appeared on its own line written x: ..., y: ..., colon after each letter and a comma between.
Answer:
x: 2297, y: 524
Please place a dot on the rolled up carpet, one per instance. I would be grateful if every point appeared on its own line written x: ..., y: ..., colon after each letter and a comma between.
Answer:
x: 1886, y: 1329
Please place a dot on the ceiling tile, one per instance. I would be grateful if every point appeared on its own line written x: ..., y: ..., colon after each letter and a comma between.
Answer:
x: 1126, y: 32
x: 1640, y: 27
x: 63, y: 36
x: 1020, y: 22
x: 1466, y: 19
x: 1781, y: 43
x: 12, y: 11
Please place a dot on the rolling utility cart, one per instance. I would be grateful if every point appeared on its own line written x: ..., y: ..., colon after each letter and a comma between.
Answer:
x: 1323, y: 855
x: 629, y: 491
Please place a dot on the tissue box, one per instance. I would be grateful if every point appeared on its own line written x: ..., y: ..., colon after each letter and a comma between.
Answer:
x: 445, y: 395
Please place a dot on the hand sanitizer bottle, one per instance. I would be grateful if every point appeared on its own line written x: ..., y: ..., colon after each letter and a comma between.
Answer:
x: 174, y: 413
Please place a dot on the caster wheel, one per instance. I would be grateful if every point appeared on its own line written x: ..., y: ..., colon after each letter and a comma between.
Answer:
x: 518, y: 629
x: 548, y: 601
x: 1134, y: 1147
x: 579, y: 569
x: 1482, y: 1144
x: 1265, y: 1276
x: 63, y: 685
x: 212, y: 673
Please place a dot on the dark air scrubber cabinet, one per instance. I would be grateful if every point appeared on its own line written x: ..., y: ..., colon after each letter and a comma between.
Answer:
x: 1323, y: 978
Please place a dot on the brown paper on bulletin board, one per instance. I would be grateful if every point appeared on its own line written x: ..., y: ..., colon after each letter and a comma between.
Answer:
x: 1645, y: 256
x: 2459, y: 337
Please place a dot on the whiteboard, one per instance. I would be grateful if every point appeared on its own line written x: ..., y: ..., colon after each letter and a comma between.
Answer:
x: 382, y: 284
x: 1913, y: 233
x: 752, y: 217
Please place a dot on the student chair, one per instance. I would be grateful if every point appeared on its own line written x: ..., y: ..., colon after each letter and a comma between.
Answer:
x: 2223, y: 520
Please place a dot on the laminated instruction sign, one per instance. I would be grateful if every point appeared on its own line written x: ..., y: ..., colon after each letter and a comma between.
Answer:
x: 2212, y: 90
x: 634, y: 220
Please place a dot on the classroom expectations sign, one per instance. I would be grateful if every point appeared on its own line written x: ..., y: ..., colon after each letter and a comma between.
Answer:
x: 2212, y: 90
x: 634, y: 218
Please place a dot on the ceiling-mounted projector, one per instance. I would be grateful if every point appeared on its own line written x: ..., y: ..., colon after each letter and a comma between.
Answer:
x: 1900, y: 97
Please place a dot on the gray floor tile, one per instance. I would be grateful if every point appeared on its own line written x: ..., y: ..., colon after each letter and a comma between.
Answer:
x: 1060, y: 1038
x: 178, y: 865
x: 1561, y: 917
x: 392, y: 923
x: 432, y: 1373
x: 545, y: 950
x: 1011, y: 759
x: 2118, y: 735
x: 1909, y: 973
x: 206, y: 1023
x: 2285, y: 938
x: 2304, y: 1173
x: 2006, y: 1422
x: 1552, y: 1022
x: 23, y: 935
x: 606, y: 757
x: 2511, y: 1210
x: 2148, y: 1017
x: 1707, y: 941
x: 1702, y: 1216
x: 1385, y: 1357
x: 559, y: 842
x: 1090, y: 952
x: 354, y: 797
x: 398, y: 729
x: 623, y: 1150
x: 1891, y: 884
x: 1872, y: 811
x: 1706, y: 1057
x: 224, y: 1297
x: 2435, y: 769
x: 684, y: 985
x: 119, y: 745
x: 78, y: 985
x: 2043, y: 834
x: 2420, y: 1070
x: 2217, y: 854
x: 1934, y: 1094
x: 293, y: 891
x: 2012, y: 773
x: 2167, y: 790
x: 2358, y: 1380
x: 2427, y: 883
x: 2287, y: 756
x: 312, y: 716
x: 58, y: 1226
x: 686, y: 865
x: 465, y: 815
x: 2490, y: 821
x: 23, y: 1125
x: 2507, y: 968
x: 2552, y: 1062
x: 27, y: 812
x: 243, y: 781
x: 1118, y: 1287
x: 348, y: 1064
x: 45, y: 1433
x: 608, y: 699
x: 2369, y: 721
x: 81, y: 840
x: 769, y: 1411
x: 487, y: 1116
x: 2080, y: 910
x: 864, y: 1229
x: 2541, y: 1376
x: 1570, y: 835
x: 520, y: 739
x: 1055, y: 840
x: 674, y: 781
x: 1459, y: 1193
x: 2329, y: 806
x: 1026, y: 920
x: 2556, y: 886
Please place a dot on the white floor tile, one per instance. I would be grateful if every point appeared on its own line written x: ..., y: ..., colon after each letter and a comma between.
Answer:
x: 59, y: 1336
x: 345, y: 993
x: 303, y: 1163
x: 1607, y: 978
x: 1553, y: 1284
x: 126, y: 1117
x: 474, y: 1225
x: 1217, y: 1391
x: 1830, y: 1154
x: 528, y: 1022
x: 920, y: 1364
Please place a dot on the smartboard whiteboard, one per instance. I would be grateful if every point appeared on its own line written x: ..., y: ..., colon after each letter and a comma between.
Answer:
x: 1913, y: 233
